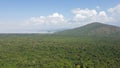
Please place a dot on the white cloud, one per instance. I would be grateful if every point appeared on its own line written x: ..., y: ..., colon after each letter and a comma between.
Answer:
x: 54, y: 21
x: 115, y: 13
x: 85, y: 16
x: 55, y: 18
x: 103, y: 17
x: 115, y: 10
x: 79, y: 13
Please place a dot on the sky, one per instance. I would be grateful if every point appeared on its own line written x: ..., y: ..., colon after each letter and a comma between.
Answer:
x: 41, y: 16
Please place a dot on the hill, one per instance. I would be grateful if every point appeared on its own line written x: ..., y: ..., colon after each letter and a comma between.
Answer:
x: 93, y: 29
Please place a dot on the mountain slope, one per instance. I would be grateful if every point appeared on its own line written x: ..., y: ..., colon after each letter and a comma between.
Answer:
x: 93, y: 29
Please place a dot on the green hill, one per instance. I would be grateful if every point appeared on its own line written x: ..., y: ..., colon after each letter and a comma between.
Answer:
x: 93, y: 29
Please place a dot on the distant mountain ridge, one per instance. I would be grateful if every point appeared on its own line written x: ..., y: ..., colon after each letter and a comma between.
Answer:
x: 93, y: 29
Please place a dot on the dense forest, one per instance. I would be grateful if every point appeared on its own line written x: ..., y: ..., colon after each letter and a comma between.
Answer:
x: 51, y: 51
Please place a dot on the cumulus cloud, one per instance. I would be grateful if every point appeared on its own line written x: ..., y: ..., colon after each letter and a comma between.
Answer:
x: 115, y: 13
x: 103, y: 17
x: 55, y: 21
x: 90, y: 15
x: 55, y: 18
x: 84, y: 15
x: 115, y: 10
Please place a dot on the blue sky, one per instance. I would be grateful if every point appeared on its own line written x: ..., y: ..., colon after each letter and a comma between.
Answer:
x: 18, y: 16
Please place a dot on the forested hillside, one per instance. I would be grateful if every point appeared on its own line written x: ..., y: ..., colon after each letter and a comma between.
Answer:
x: 93, y: 29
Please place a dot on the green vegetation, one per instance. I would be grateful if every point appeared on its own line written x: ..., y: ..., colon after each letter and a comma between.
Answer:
x: 93, y: 29
x: 92, y: 46
x: 48, y: 51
